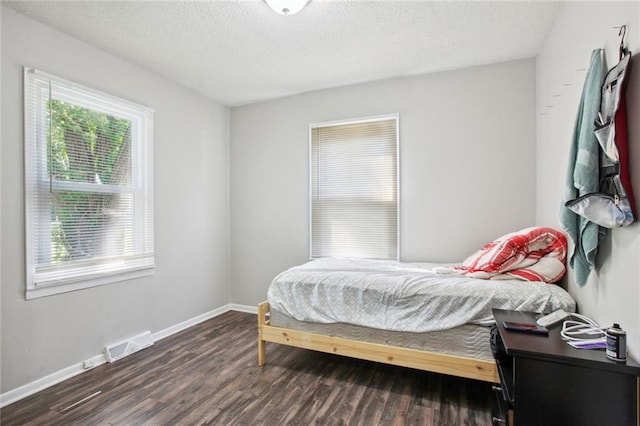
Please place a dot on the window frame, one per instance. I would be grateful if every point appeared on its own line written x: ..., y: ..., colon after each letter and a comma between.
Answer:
x: 381, y: 117
x: 72, y: 275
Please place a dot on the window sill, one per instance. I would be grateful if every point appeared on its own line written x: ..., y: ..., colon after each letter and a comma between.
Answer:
x: 50, y: 290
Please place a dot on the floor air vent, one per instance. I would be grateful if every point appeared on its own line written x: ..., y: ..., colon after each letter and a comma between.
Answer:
x: 128, y: 346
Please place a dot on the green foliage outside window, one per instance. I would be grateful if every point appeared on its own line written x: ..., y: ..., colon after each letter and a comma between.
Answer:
x: 89, y: 148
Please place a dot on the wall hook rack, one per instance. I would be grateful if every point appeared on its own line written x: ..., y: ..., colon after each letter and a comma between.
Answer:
x: 622, y: 33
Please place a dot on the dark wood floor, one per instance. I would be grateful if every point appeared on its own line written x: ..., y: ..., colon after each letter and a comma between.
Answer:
x: 208, y: 374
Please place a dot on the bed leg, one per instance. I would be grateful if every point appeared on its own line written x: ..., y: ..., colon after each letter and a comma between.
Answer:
x: 262, y: 352
x: 263, y: 309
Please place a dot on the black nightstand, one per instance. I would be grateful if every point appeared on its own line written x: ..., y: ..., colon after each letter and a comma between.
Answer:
x: 547, y: 382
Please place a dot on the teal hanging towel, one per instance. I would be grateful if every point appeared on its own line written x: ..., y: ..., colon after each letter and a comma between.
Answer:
x: 583, y: 175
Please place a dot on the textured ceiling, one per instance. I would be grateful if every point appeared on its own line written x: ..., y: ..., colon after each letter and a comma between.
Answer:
x: 239, y: 52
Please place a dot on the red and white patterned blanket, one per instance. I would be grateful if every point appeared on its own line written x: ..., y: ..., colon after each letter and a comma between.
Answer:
x: 532, y: 254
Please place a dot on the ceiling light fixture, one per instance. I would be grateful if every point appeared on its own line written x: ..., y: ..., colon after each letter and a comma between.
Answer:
x: 287, y: 7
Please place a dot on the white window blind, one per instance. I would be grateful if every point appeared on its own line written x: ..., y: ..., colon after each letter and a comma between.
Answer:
x: 88, y: 184
x: 354, y: 188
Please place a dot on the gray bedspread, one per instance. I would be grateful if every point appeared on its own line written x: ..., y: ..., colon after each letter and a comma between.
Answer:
x: 398, y: 296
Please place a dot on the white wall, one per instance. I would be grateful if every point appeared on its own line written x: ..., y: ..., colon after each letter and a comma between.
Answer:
x: 44, y: 335
x: 613, y: 292
x: 467, y: 166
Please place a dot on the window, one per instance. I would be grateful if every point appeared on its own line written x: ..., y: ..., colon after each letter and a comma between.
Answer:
x: 88, y: 186
x: 354, y: 188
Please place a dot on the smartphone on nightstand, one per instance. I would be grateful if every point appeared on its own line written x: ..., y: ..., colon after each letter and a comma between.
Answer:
x: 525, y: 327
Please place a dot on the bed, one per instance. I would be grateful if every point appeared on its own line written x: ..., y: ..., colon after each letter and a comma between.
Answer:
x: 428, y: 316
x: 417, y: 315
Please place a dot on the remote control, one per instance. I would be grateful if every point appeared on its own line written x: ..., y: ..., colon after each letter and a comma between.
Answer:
x: 552, y: 318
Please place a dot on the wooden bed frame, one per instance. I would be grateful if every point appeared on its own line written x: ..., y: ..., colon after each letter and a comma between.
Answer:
x: 469, y: 368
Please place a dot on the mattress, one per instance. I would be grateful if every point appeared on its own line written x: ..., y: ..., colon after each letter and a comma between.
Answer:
x: 396, y: 296
x: 467, y: 340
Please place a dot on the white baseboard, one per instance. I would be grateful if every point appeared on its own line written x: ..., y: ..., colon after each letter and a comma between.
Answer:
x: 159, y: 335
x: 24, y: 391
x: 243, y: 308
x: 50, y: 380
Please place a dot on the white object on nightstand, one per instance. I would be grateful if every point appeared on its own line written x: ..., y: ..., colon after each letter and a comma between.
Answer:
x: 552, y: 318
